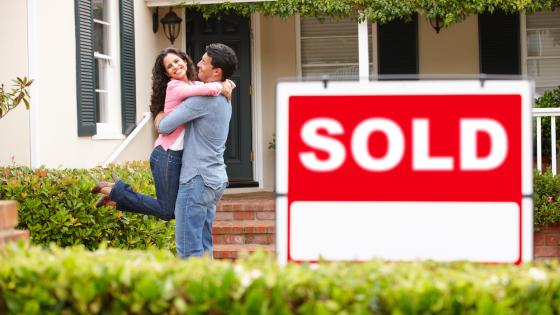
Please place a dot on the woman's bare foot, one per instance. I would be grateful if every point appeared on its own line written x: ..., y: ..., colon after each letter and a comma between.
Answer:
x: 102, y: 187
x: 106, y: 190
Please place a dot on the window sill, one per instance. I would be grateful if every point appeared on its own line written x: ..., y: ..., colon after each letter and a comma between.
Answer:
x: 108, y: 136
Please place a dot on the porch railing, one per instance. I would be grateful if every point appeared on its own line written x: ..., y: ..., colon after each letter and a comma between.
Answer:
x: 538, y: 114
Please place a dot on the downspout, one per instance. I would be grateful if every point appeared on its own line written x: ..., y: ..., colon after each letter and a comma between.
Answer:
x: 33, y: 72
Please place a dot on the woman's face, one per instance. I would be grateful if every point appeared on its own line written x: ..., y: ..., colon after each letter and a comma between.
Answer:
x: 175, y: 67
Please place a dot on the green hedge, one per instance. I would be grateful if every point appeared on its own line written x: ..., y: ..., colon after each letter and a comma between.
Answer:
x: 113, y: 281
x: 57, y: 206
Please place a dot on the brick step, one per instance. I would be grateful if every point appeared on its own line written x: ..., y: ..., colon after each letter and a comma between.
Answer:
x: 13, y: 235
x: 244, y: 232
x: 248, y: 206
x: 234, y: 251
x: 8, y: 214
x: 244, y: 227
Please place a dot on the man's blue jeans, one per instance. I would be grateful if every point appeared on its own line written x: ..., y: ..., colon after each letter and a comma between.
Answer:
x: 194, y: 213
x: 166, y: 169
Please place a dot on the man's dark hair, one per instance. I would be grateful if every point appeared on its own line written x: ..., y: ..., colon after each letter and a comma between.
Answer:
x: 223, y: 57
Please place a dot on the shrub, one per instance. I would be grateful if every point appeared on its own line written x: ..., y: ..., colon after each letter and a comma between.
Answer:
x: 19, y: 92
x: 57, y: 206
x: 546, y: 198
x: 112, y: 281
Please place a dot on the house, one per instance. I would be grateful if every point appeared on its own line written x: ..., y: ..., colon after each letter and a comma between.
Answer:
x: 91, y: 61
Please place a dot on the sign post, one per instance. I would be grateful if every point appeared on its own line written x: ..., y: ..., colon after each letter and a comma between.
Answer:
x: 403, y: 170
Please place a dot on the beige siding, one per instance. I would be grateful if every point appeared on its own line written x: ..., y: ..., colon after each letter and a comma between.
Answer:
x: 14, y: 127
x: 278, y: 60
x: 453, y: 51
x: 58, y: 143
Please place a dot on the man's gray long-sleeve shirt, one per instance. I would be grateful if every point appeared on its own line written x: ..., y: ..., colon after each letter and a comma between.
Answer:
x: 205, y: 137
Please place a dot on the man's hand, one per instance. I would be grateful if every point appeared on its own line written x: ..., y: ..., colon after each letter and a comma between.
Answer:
x: 157, y: 119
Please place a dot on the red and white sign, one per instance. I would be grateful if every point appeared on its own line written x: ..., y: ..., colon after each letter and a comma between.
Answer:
x: 436, y: 170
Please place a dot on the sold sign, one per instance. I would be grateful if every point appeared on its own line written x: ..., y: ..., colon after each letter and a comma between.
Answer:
x: 404, y: 170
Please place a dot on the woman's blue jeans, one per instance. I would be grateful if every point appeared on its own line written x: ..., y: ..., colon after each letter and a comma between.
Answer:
x: 166, y: 169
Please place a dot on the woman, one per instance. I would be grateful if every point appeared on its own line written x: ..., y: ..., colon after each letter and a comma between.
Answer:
x: 173, y: 80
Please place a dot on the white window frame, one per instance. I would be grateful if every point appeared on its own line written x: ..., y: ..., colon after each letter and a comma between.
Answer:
x: 524, y: 52
x: 111, y: 126
x: 362, y: 42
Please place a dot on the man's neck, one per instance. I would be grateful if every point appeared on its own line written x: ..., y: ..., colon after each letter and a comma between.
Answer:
x: 214, y: 79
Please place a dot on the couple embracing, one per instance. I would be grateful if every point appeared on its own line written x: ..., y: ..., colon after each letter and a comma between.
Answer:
x: 195, y: 116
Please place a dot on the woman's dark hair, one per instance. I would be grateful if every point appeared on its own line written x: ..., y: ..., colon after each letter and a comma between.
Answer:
x: 160, y: 78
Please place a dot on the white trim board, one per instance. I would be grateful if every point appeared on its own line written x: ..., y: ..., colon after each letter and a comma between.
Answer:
x: 256, y: 100
x: 33, y: 69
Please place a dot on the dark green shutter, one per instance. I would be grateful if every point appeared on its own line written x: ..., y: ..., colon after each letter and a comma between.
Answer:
x: 128, y: 72
x: 499, y: 43
x: 85, y: 69
x: 398, y: 47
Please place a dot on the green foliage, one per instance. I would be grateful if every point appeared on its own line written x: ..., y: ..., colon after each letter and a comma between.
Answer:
x: 10, y: 100
x: 379, y: 11
x: 57, y: 206
x: 546, y: 198
x: 111, y: 281
x: 549, y: 99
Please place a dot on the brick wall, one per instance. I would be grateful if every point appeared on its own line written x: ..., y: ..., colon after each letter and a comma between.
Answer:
x: 547, y: 242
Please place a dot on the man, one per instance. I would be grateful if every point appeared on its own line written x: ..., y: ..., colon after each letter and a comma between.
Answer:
x: 203, y: 176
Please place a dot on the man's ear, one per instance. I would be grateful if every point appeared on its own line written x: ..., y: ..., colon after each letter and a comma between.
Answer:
x: 218, y: 73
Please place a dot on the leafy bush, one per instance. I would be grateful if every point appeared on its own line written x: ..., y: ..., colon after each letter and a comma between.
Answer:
x: 546, y: 198
x: 549, y: 99
x: 10, y: 100
x: 57, y: 206
x: 112, y: 281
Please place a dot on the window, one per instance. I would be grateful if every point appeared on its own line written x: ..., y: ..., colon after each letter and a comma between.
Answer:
x: 331, y: 48
x: 106, y: 93
x: 543, y: 49
x: 104, y: 34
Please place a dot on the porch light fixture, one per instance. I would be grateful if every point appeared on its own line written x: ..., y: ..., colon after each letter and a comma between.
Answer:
x: 171, y: 25
x: 437, y: 23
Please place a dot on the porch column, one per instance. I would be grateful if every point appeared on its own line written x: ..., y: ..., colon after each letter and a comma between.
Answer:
x: 363, y: 50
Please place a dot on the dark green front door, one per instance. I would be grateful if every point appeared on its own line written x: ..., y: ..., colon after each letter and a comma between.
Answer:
x: 234, y: 31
